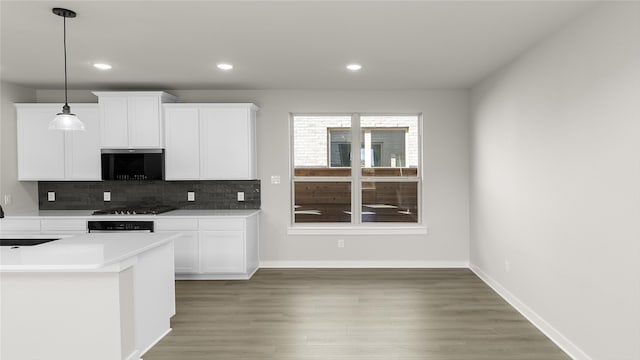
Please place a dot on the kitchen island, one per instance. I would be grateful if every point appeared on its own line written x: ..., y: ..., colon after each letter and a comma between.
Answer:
x: 90, y: 296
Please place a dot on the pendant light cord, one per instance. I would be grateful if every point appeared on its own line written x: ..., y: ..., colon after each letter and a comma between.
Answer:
x: 65, y: 120
x: 64, y: 34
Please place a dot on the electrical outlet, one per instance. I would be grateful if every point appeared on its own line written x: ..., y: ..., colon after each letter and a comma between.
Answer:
x: 106, y: 196
x: 240, y: 195
x: 191, y: 196
x: 275, y: 179
x: 51, y: 196
x: 8, y: 199
x: 507, y: 266
x: 340, y: 243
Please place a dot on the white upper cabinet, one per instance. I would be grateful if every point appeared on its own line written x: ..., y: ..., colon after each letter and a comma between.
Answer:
x: 210, y: 141
x: 132, y: 119
x: 182, y: 144
x: 45, y: 154
x: 227, y: 143
x: 114, y: 121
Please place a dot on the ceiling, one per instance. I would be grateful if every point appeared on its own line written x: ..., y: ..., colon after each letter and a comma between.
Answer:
x: 402, y: 45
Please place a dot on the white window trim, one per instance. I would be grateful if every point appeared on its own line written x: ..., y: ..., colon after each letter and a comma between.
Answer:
x: 332, y: 229
x: 356, y: 227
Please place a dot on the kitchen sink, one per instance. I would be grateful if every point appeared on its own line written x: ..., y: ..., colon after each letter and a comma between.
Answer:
x: 24, y: 241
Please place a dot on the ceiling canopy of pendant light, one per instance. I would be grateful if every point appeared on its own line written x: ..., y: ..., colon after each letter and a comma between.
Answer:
x: 65, y: 120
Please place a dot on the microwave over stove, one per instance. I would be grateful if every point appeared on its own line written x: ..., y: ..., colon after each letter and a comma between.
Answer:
x: 132, y: 164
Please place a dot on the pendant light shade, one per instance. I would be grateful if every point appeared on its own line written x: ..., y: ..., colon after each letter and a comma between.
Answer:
x: 65, y: 120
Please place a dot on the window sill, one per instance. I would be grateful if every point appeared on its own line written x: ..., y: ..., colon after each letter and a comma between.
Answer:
x: 357, y: 230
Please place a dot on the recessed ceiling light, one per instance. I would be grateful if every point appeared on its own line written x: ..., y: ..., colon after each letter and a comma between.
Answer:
x: 102, y: 66
x: 354, y: 67
x: 225, y: 66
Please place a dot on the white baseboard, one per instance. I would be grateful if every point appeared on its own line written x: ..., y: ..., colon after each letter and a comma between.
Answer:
x: 365, y: 264
x: 563, y: 343
x: 135, y: 355
x: 156, y: 341
x: 213, y: 276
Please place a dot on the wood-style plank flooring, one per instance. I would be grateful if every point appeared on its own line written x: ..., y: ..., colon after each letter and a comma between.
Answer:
x: 390, y: 314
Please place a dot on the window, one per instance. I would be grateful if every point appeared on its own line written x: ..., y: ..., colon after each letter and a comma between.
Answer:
x: 332, y: 183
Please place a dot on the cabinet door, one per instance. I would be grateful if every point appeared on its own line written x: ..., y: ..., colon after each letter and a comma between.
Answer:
x: 225, y: 144
x: 182, y: 151
x: 185, y: 251
x: 144, y: 122
x: 186, y: 246
x: 222, y: 252
x: 83, y: 147
x: 40, y: 150
x: 113, y: 122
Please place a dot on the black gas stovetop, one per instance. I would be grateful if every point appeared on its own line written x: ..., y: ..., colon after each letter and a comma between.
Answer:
x: 135, y: 210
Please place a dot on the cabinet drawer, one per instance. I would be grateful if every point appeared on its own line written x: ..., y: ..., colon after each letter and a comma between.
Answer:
x: 222, y: 224
x: 176, y: 224
x: 64, y: 225
x: 12, y: 225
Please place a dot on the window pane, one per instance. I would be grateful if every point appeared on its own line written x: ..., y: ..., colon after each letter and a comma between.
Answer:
x: 322, y: 202
x: 340, y: 148
x: 389, y: 145
x: 322, y: 145
x: 390, y: 202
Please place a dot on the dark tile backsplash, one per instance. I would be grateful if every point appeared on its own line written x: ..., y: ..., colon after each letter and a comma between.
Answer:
x: 88, y: 195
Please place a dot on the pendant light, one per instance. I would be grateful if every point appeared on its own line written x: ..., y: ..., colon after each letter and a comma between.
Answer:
x: 65, y: 120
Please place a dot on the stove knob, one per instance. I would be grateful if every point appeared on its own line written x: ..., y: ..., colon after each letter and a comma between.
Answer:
x: 133, y: 212
x: 128, y: 212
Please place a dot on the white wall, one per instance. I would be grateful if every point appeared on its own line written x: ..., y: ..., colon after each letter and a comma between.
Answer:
x: 555, y: 187
x: 24, y: 194
x: 445, y: 189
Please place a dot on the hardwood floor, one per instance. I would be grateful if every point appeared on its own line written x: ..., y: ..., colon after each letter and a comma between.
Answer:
x: 391, y: 314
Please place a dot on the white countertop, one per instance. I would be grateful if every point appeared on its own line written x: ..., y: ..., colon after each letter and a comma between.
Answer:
x: 48, y: 213
x: 210, y: 212
x: 81, y: 253
x: 86, y: 214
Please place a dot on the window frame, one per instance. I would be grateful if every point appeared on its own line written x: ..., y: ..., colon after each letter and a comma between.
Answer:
x: 356, y: 226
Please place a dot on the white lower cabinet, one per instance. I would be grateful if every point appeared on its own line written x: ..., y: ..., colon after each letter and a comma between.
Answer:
x: 209, y: 248
x: 217, y: 248
x: 186, y: 252
x: 222, y: 252
x: 186, y: 246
